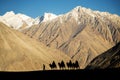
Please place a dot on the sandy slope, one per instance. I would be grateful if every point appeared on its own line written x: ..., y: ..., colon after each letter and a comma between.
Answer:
x: 21, y: 53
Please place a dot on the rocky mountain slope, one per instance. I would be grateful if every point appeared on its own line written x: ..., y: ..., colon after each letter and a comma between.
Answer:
x: 81, y: 33
x: 109, y: 59
x: 21, y: 53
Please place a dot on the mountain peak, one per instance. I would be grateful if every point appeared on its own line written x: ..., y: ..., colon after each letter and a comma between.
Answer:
x: 78, y: 8
x: 49, y: 16
x: 9, y: 14
x: 90, y: 11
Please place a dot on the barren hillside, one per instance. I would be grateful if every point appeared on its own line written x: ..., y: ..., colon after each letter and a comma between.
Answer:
x: 21, y: 53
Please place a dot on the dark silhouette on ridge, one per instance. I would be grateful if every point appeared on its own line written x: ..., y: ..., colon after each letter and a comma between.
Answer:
x: 53, y: 65
x: 69, y: 64
x: 43, y: 67
x: 61, y: 65
x: 76, y: 65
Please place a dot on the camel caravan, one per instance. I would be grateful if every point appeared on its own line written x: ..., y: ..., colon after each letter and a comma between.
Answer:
x: 62, y: 66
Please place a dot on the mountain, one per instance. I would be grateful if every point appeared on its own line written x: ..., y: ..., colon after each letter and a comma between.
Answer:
x: 18, y: 52
x: 82, y: 33
x: 48, y: 17
x: 16, y: 21
x: 21, y: 21
x: 109, y: 59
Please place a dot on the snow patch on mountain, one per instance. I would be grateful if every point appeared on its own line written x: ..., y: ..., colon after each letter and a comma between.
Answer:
x: 26, y: 18
x: 49, y: 17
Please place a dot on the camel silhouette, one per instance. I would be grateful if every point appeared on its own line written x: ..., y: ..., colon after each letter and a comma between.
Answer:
x: 53, y: 65
x: 61, y: 65
x: 76, y: 65
x: 69, y: 64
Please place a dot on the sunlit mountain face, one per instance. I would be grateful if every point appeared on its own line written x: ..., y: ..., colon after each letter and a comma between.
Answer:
x: 79, y: 35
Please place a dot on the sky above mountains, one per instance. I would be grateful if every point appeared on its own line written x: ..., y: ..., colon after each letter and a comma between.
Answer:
x: 36, y: 8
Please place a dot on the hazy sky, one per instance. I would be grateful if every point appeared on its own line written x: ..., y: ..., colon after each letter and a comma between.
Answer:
x: 36, y: 8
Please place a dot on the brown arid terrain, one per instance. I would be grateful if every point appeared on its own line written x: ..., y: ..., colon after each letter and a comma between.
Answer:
x: 18, y: 52
x: 108, y: 59
x: 82, y: 34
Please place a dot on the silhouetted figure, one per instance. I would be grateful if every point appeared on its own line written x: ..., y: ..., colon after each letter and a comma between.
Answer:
x: 43, y: 67
x: 61, y: 65
x: 76, y: 65
x: 53, y: 65
x: 73, y: 65
x: 69, y: 64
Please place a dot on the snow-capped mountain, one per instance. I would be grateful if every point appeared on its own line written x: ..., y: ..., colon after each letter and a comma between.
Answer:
x: 81, y: 12
x: 48, y: 17
x: 81, y: 33
x: 22, y: 21
x: 16, y: 21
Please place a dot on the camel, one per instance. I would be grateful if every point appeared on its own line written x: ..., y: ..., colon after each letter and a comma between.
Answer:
x: 53, y: 65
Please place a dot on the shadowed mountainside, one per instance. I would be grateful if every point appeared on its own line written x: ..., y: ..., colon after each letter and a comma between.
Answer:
x: 21, y: 53
x: 109, y: 59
